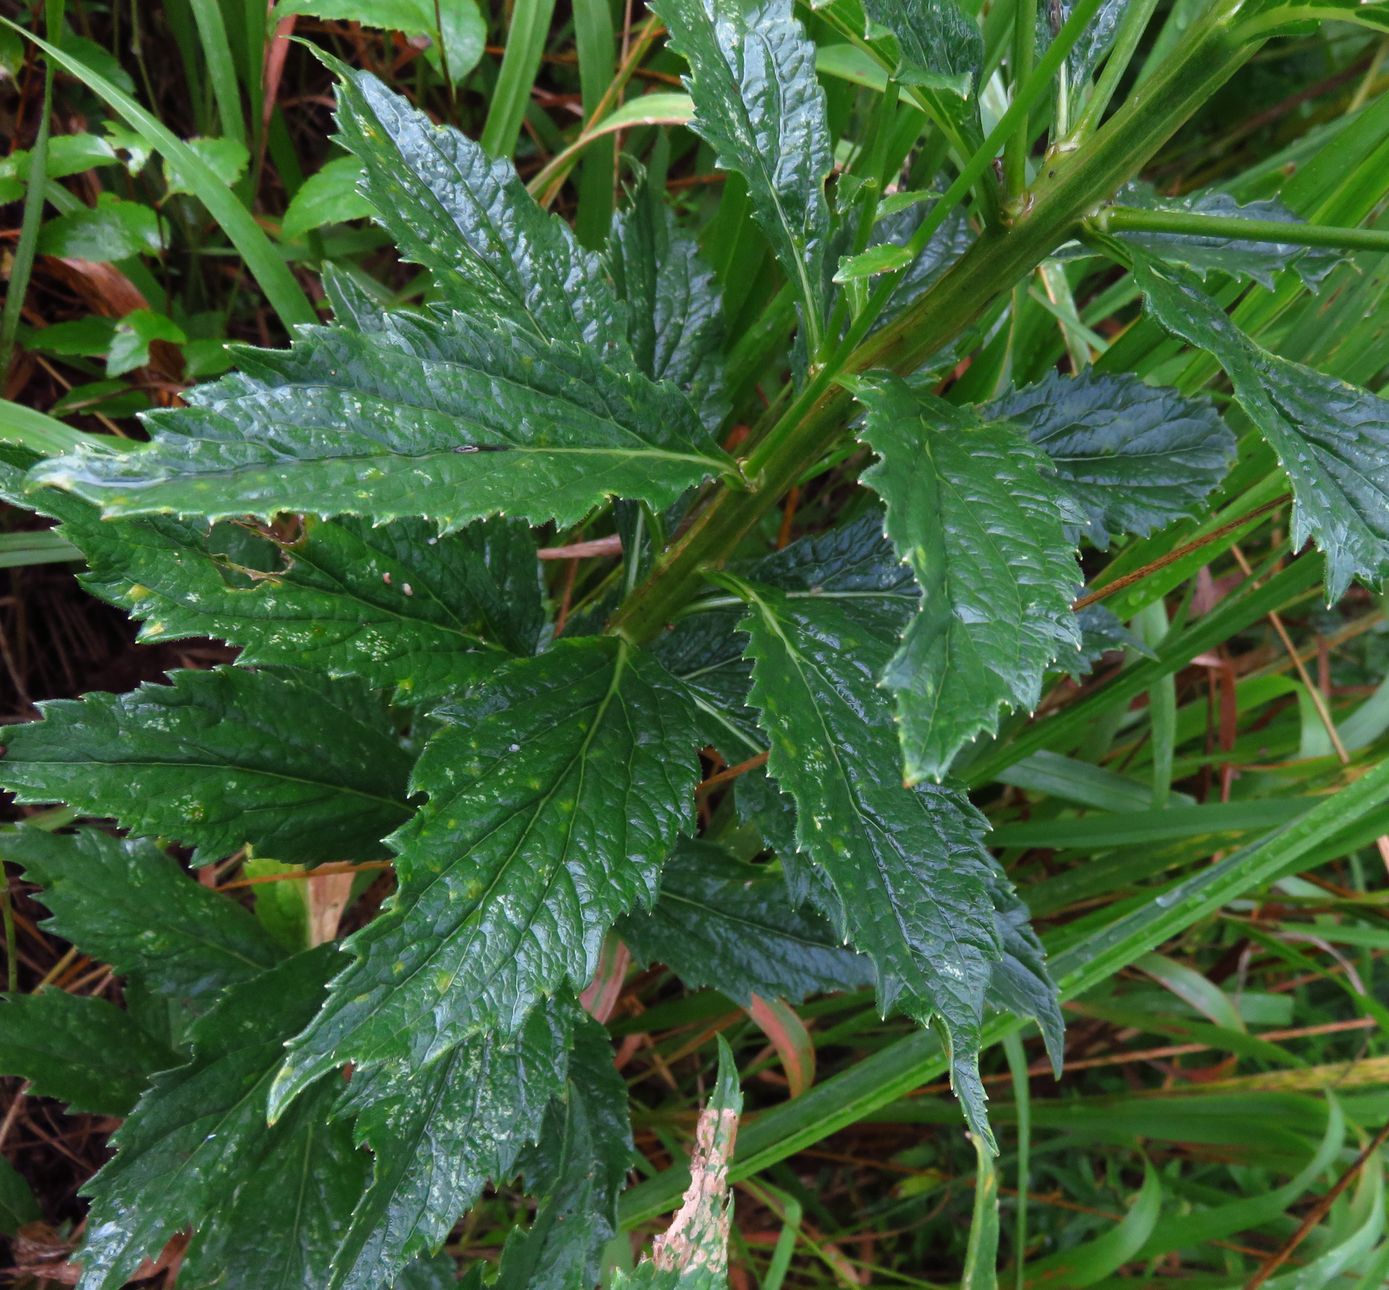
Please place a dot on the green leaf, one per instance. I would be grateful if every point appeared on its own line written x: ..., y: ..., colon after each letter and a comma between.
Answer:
x: 197, y: 1149
x: 219, y: 759
x: 438, y: 1134
x: 950, y: 241
x: 940, y: 45
x: 1259, y: 261
x: 970, y: 509
x: 113, y: 229
x: 578, y: 1165
x: 726, y: 925
x: 1331, y: 438
x: 328, y: 196
x: 395, y: 604
x: 130, y: 344
x: 674, y: 309
x: 464, y: 31
x: 884, y: 257
x: 84, y: 1051
x: 761, y: 108
x: 101, y: 890
x: 68, y: 154
x: 705, y: 653
x: 1134, y: 457
x: 908, y: 865
x: 1094, y: 42
x: 981, y: 1258
x: 556, y: 792
x: 447, y: 418
x: 1020, y: 982
x: 469, y: 220
x: 17, y: 1203
x: 226, y: 159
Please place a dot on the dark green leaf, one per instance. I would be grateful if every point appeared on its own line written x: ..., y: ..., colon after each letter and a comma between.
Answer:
x: 940, y: 45
x: 908, y: 865
x: 130, y: 345
x: 17, y: 1203
x: 1094, y: 42
x: 971, y: 510
x: 556, y: 792
x: 726, y: 925
x: 1260, y: 261
x: 1020, y: 982
x: 1330, y: 437
x: 1134, y: 457
x: 394, y: 604
x: 491, y: 249
x: 578, y: 1165
x: 675, y: 312
x: 759, y: 105
x: 83, y: 1051
x: 1100, y: 633
x: 197, y: 1149
x: 438, y: 1273
x: 705, y: 652
x: 447, y: 418
x: 219, y: 759
x: 438, y: 1134
x: 101, y: 891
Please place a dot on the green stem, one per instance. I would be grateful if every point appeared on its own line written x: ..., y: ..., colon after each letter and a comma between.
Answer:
x: 1019, y: 143
x: 1126, y: 219
x: 1131, y: 28
x: 1065, y: 193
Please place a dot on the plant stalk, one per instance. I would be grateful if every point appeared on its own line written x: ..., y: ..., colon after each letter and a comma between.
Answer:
x: 1126, y: 219
x: 1068, y: 190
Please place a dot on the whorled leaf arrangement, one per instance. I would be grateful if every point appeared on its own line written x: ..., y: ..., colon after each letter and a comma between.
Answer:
x: 357, y: 514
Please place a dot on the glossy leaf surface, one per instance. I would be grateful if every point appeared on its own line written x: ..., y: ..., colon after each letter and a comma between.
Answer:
x: 973, y: 512
x: 556, y: 791
x: 223, y: 758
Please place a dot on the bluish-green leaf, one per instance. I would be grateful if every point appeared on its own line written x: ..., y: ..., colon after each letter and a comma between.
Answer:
x: 219, y: 759
x: 728, y: 926
x: 1331, y: 438
x: 972, y: 510
x: 1134, y: 457
x: 556, y: 791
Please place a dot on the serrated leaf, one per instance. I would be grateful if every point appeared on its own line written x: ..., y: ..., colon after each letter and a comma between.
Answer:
x: 675, y: 310
x: 908, y: 865
x: 556, y: 792
x: 492, y: 250
x: 725, y: 925
x: 761, y: 108
x: 578, y: 1164
x: 394, y: 604
x: 438, y: 1134
x: 101, y: 890
x: 1259, y: 261
x: 1134, y: 457
x: 451, y: 419
x: 1100, y: 633
x: 84, y: 1051
x: 227, y: 159
x: 971, y: 511
x: 950, y: 241
x: 705, y: 653
x: 1020, y: 982
x: 940, y: 45
x: 1331, y: 438
x: 219, y: 759
x: 200, y: 1132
